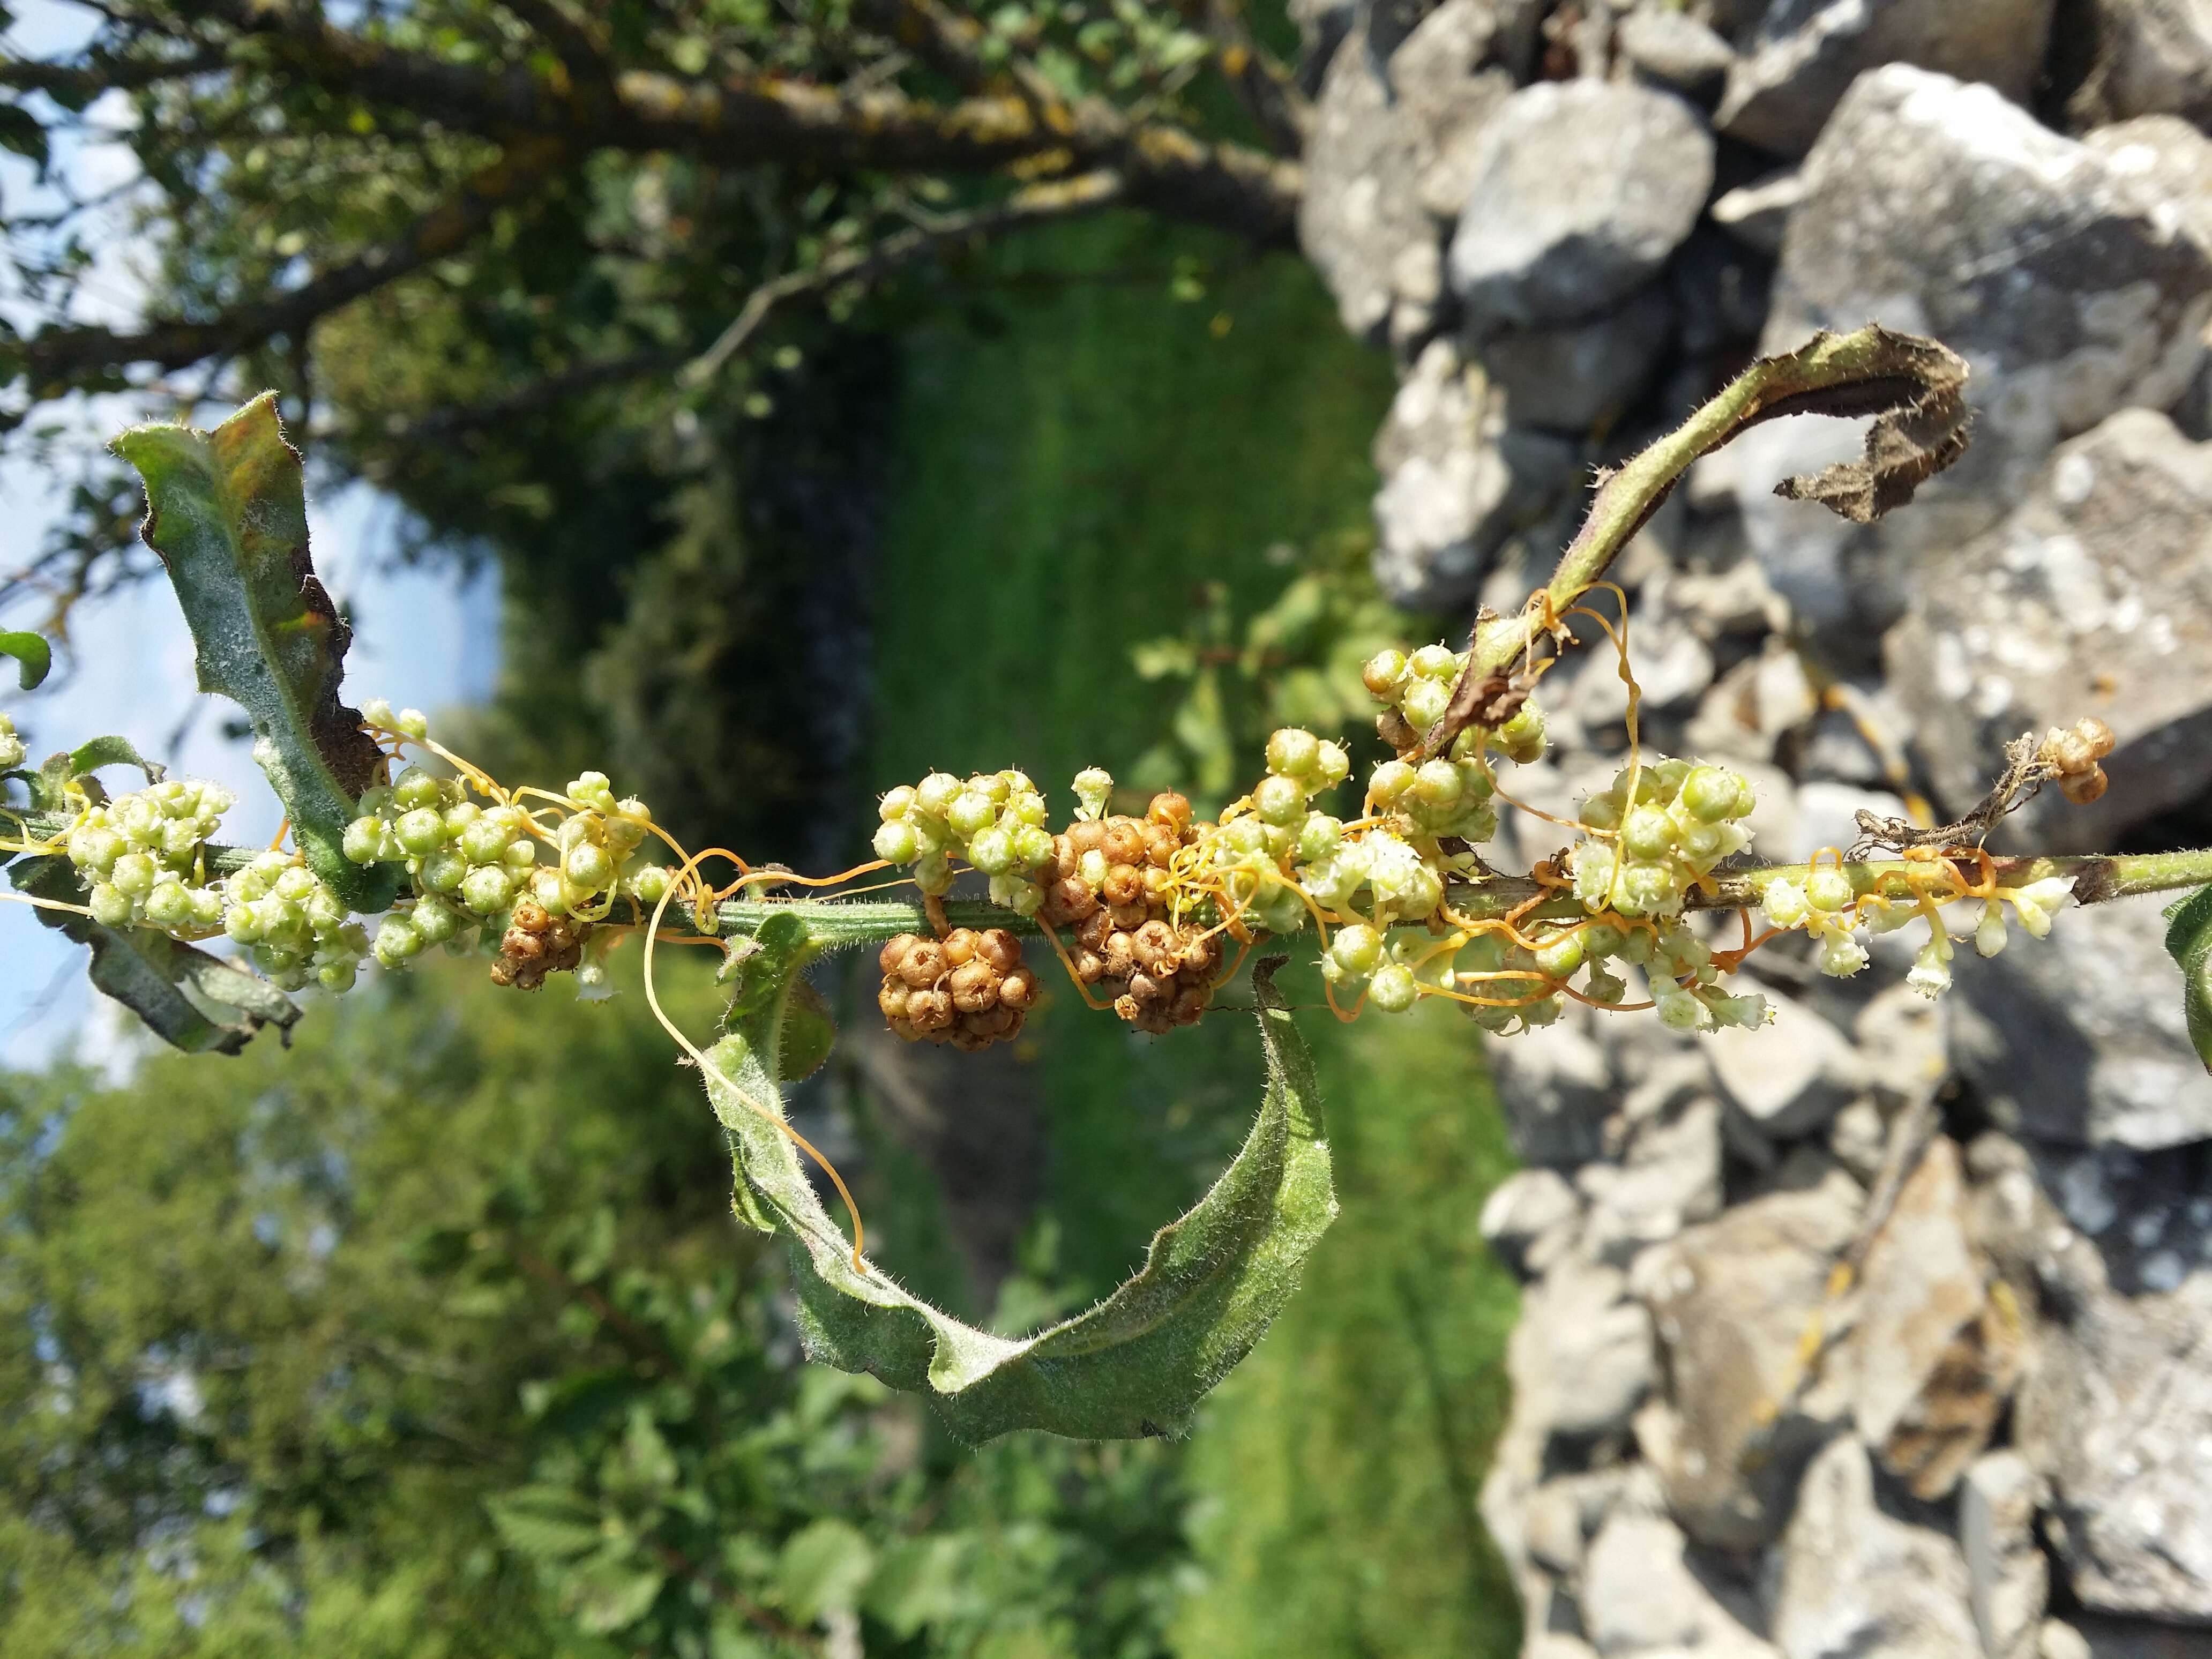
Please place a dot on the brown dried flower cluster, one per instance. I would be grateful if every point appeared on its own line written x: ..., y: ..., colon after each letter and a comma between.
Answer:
x: 1109, y: 880
x: 2075, y: 752
x: 970, y: 989
x: 537, y: 943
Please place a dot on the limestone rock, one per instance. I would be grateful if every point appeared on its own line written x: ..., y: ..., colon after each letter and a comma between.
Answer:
x: 1790, y: 1077
x: 1457, y: 482
x: 1855, y: 1582
x: 2007, y: 1575
x: 1672, y: 1179
x: 1531, y: 254
x: 1526, y: 1207
x: 1731, y: 1301
x: 1933, y: 1354
x: 2151, y: 57
x: 2122, y: 1639
x: 1556, y: 1088
x: 2094, y: 597
x: 2116, y: 1415
x: 2167, y: 161
x: 1673, y: 49
x: 1939, y: 208
x: 2080, y: 1038
x: 1827, y: 816
x: 1805, y: 55
x: 1571, y: 377
x: 1900, y: 1040
x: 1581, y: 1358
x: 1757, y: 213
x: 1754, y: 705
x: 1359, y: 210
x: 1645, y: 1592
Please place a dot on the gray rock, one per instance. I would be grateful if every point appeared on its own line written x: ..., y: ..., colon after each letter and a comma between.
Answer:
x: 1757, y: 213
x: 1645, y: 1592
x: 1854, y: 1582
x: 2117, y: 1416
x: 1939, y: 208
x: 1754, y: 705
x: 2007, y: 1575
x: 1359, y: 210
x: 2094, y: 597
x: 1673, y: 665
x: 1446, y: 80
x: 2060, y: 1640
x: 1932, y: 1359
x: 1457, y: 482
x: 1731, y: 1302
x: 1673, y: 49
x: 1788, y: 1078
x: 1556, y: 1091
x: 1807, y: 53
x: 1551, y: 1645
x: 1529, y: 254
x: 1575, y: 375
x: 2151, y: 57
x: 2080, y: 1038
x: 1581, y: 1358
x: 2167, y: 161
x: 1525, y: 1207
x: 1858, y: 1138
x: 1672, y: 1179
x: 1838, y: 753
x: 1900, y: 1039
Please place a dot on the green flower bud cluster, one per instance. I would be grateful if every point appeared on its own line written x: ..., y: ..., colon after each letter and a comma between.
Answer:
x: 994, y: 820
x: 1284, y: 829
x: 472, y: 864
x: 12, y: 751
x: 1418, y: 689
x: 139, y: 854
x: 1362, y: 960
x: 294, y: 927
x: 1682, y: 823
x: 1442, y: 797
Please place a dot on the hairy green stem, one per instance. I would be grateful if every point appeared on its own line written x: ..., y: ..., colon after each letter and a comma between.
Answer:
x: 835, y: 923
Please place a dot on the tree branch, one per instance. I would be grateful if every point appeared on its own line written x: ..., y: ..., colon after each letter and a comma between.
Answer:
x: 1063, y: 200
x: 748, y: 119
x: 87, y: 81
x: 53, y: 354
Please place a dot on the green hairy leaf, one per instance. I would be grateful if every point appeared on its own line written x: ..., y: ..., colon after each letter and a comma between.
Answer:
x: 1136, y: 1364
x: 227, y: 510
x: 191, y: 1001
x: 34, y: 659
x: 2189, y: 942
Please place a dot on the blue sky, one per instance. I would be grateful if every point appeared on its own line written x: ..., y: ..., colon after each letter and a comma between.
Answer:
x: 423, y: 637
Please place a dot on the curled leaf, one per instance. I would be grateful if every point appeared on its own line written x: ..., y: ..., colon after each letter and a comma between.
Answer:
x: 226, y: 511
x: 34, y: 659
x: 1915, y: 387
x: 1135, y: 1364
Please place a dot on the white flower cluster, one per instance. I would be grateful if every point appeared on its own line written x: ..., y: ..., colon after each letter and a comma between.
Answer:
x: 1831, y: 909
x: 1680, y: 823
x: 140, y: 856
x: 995, y: 820
x: 12, y: 752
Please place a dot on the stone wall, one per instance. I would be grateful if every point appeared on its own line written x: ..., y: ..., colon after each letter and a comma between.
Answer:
x: 1568, y: 223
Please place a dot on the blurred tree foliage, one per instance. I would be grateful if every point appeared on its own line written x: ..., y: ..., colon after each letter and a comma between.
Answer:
x: 815, y: 445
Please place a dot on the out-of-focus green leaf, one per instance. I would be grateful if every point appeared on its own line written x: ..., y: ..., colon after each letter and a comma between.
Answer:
x: 1135, y: 1364
x: 611, y: 1590
x: 227, y: 512
x: 546, y: 1523
x: 34, y: 659
x: 823, y: 1567
x: 179, y: 990
x: 2189, y: 942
